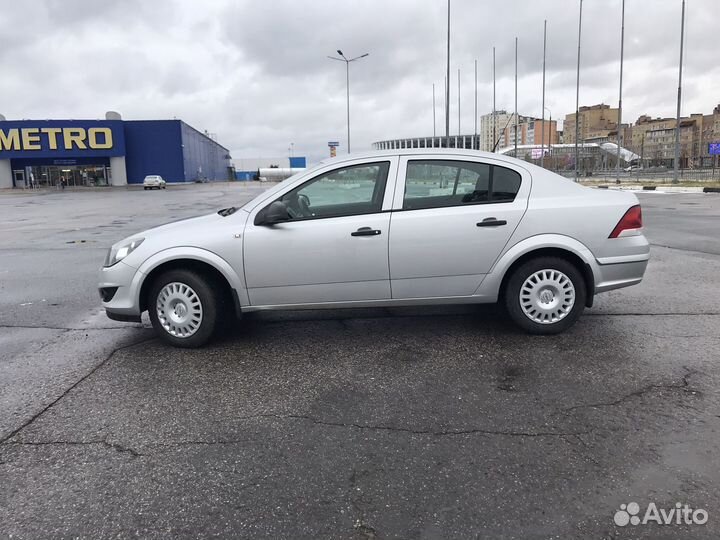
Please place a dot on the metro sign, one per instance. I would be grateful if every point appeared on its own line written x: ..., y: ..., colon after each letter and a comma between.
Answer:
x: 61, y: 139
x: 30, y: 139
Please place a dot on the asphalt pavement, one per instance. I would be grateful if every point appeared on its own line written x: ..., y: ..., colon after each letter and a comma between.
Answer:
x: 443, y: 422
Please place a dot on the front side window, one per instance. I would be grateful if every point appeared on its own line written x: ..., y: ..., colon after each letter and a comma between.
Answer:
x: 353, y: 190
x: 442, y: 183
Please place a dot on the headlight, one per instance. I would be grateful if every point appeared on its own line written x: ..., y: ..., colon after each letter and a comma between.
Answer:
x: 119, y: 251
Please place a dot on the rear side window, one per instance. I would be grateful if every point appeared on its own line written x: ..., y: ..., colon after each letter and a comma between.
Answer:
x: 440, y: 183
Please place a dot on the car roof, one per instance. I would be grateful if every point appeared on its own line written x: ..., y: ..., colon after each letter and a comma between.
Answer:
x: 450, y: 152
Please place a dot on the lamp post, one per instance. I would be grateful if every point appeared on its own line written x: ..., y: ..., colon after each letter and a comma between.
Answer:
x: 347, y: 85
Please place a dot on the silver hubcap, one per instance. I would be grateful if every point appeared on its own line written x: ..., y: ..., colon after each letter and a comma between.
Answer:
x: 547, y: 296
x: 179, y: 310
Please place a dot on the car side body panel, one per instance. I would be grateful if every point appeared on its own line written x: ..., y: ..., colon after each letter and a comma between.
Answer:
x: 548, y: 212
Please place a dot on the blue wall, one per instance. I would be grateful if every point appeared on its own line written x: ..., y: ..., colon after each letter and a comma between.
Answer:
x: 204, y: 159
x: 153, y: 147
x: 298, y: 162
x: 170, y: 148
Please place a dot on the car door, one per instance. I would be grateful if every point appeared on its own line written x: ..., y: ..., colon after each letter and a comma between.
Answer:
x: 334, y: 247
x: 452, y: 217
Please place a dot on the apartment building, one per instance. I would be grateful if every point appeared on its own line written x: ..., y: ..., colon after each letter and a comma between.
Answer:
x: 595, y: 122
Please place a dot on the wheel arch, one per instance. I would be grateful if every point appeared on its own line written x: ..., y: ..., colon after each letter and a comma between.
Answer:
x: 553, y: 245
x: 569, y: 256
x: 218, y: 271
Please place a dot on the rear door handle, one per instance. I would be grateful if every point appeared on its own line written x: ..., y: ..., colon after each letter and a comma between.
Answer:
x: 365, y: 231
x: 492, y: 222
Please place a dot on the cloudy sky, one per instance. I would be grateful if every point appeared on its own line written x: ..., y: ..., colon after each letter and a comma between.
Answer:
x: 256, y: 73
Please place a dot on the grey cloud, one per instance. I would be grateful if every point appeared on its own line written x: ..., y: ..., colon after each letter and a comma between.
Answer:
x: 256, y: 73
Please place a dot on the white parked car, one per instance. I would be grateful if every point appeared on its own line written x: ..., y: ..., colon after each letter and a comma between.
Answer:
x: 389, y: 228
x: 154, y: 181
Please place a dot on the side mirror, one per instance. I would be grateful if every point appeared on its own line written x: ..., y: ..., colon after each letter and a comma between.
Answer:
x: 277, y: 212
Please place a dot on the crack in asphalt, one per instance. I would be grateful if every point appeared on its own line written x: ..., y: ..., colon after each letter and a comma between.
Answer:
x: 437, y: 433
x: 72, y: 329
x: 686, y: 249
x: 104, y: 442
x: 683, y: 385
x: 355, y: 496
x: 393, y: 429
x: 585, y: 445
x: 69, y: 389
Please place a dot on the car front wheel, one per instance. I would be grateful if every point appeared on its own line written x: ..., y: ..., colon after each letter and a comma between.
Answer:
x: 183, y: 308
x: 545, y: 295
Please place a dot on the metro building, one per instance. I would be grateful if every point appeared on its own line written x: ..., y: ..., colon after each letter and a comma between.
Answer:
x: 110, y: 152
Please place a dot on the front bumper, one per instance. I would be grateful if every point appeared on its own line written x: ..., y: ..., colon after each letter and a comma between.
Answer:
x: 125, y: 303
x: 122, y: 318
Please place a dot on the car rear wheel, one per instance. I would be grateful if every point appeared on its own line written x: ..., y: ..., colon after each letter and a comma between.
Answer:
x: 545, y: 295
x: 183, y: 308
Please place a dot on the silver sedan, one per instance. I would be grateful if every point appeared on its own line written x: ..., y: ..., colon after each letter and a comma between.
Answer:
x: 391, y: 228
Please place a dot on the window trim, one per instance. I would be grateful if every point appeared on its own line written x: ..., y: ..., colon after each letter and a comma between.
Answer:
x: 491, y: 175
x: 381, y: 196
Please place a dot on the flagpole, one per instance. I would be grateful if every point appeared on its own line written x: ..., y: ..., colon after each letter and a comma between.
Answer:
x: 622, y: 54
x: 494, y: 115
x: 433, y: 114
x: 542, y: 135
x: 577, y: 96
x: 475, y: 115
x: 516, y: 109
x: 447, y: 83
x: 677, y: 121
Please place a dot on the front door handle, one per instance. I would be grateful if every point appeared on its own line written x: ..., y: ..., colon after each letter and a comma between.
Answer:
x: 365, y: 231
x: 492, y: 222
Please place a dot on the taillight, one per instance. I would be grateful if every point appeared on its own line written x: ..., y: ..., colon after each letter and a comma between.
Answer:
x: 630, y: 221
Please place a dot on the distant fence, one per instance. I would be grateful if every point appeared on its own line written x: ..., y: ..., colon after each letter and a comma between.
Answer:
x: 684, y: 175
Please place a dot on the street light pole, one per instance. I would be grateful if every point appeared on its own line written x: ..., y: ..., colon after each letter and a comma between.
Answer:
x: 677, y: 120
x: 347, y: 85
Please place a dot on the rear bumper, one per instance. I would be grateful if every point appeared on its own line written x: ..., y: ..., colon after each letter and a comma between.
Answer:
x: 623, y: 264
x: 619, y: 274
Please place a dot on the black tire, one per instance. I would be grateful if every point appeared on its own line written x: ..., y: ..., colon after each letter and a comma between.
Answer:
x: 520, y: 275
x: 205, y: 289
x: 144, y: 188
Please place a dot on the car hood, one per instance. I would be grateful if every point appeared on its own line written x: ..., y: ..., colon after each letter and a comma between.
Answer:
x: 183, y: 225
